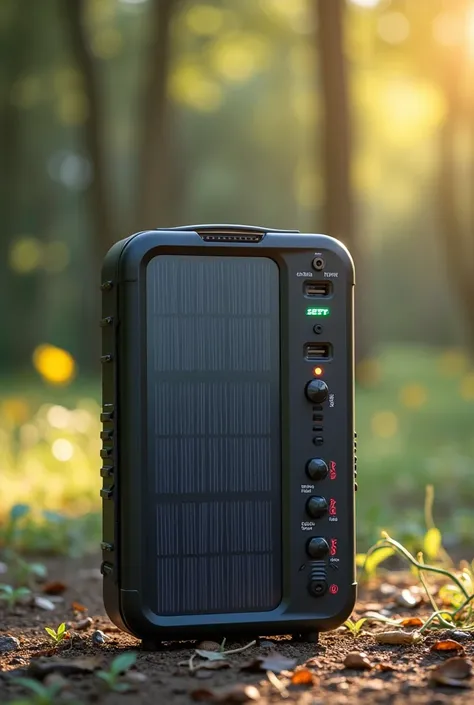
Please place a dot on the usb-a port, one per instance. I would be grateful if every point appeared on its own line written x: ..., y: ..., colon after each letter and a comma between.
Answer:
x: 317, y: 351
x: 317, y: 289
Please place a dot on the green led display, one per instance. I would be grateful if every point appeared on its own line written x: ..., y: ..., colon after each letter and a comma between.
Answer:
x: 310, y: 311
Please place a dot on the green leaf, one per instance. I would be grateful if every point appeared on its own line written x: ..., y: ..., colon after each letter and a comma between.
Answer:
x: 38, y: 569
x: 211, y: 655
x: 18, y: 511
x: 61, y: 628
x: 373, y: 561
x: 432, y: 543
x: 121, y: 687
x: 51, y: 632
x: 359, y: 623
x: 360, y: 559
x: 33, y: 685
x: 452, y: 595
x: 22, y: 592
x: 106, y: 677
x: 123, y: 662
x: 7, y: 589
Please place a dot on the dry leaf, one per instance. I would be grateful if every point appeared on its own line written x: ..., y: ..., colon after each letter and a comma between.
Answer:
x: 272, y: 662
x: 304, y: 677
x: 454, y: 672
x: 77, y: 607
x: 411, y: 622
x: 447, y: 645
x: 54, y: 588
x: 358, y: 660
x: 407, y: 599
x: 384, y: 666
x: 209, y: 646
x: 43, y: 603
x: 398, y: 637
x: 40, y: 669
x: 238, y: 693
x: 211, y: 655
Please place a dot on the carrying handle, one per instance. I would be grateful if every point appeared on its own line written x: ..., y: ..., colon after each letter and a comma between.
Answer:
x: 227, y: 228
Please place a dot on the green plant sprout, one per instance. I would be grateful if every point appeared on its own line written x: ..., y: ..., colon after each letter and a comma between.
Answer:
x: 59, y: 635
x: 119, y: 665
x: 12, y: 596
x: 41, y: 694
x: 355, y: 628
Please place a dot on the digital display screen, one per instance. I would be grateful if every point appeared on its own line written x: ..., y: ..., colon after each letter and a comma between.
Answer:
x: 310, y: 311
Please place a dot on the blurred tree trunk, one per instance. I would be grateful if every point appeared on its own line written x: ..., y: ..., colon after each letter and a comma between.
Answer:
x: 93, y: 137
x: 456, y: 242
x: 339, y: 220
x: 154, y: 206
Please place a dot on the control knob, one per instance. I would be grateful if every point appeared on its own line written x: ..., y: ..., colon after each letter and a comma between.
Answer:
x: 317, y: 548
x: 316, y: 507
x: 317, y: 391
x: 316, y: 469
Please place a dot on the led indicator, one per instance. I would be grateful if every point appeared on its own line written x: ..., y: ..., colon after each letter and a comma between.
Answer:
x: 318, y: 371
x: 321, y: 312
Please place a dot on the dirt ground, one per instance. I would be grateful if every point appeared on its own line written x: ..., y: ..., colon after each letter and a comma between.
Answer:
x: 398, y: 674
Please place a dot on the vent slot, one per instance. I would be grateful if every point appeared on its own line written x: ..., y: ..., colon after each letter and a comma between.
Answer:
x: 234, y: 237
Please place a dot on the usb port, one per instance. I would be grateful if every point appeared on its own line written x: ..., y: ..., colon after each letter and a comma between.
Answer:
x: 317, y: 351
x: 318, y: 429
x: 318, y: 417
x: 317, y: 288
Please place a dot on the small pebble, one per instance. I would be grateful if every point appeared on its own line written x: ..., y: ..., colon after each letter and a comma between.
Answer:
x: 84, y: 624
x: 8, y: 643
x: 457, y: 635
x: 99, y: 637
x: 43, y: 603
x: 135, y: 677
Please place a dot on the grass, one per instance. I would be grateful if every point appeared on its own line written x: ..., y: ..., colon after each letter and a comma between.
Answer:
x: 414, y: 420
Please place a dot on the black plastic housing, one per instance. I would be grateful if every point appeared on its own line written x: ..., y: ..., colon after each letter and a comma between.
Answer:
x: 208, y: 432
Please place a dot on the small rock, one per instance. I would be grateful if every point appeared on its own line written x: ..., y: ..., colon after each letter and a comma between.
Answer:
x: 457, y: 635
x: 266, y: 644
x: 358, y: 660
x: 43, y: 603
x: 16, y: 660
x: 8, y: 643
x: 3, y: 568
x: 387, y: 589
x: 208, y: 646
x: 407, y: 599
x: 99, y: 637
x: 83, y: 624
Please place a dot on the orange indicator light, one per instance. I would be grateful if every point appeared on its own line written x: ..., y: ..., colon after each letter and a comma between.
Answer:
x: 318, y: 371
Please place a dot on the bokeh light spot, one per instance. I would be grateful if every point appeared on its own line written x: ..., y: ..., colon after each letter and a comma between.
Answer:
x: 62, y: 449
x: 15, y: 410
x: 239, y: 57
x: 448, y: 29
x: 413, y: 396
x: 25, y: 255
x: 368, y: 372
x: 384, y: 424
x: 204, y: 20
x: 72, y: 108
x: 55, y: 365
x: 467, y: 387
x: 189, y: 86
x: 107, y: 43
x: 56, y: 256
x: 453, y: 363
x: 393, y: 27
x: 58, y: 416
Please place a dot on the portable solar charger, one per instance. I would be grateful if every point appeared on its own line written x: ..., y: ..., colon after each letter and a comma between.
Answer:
x: 228, y: 433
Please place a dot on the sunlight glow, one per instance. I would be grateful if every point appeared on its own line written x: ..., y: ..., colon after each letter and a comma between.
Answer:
x: 62, y: 449
x: 393, y: 27
x: 365, y: 3
x: 55, y: 365
x: 58, y: 416
x: 448, y: 29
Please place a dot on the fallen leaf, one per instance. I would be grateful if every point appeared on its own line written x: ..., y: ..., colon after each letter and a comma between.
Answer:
x: 41, y: 668
x: 209, y: 646
x: 384, y: 666
x: 77, y: 607
x: 454, y: 672
x: 411, y: 622
x: 303, y: 676
x: 43, y: 603
x: 358, y: 660
x: 272, y: 662
x: 238, y: 693
x: 398, y: 637
x: 211, y: 655
x: 447, y: 645
x: 54, y: 588
x: 406, y: 598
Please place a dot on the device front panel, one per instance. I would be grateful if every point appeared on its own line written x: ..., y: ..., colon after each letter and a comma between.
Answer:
x: 213, y: 473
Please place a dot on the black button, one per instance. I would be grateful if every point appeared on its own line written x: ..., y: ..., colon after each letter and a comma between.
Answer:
x: 106, y: 435
x: 106, y: 568
x: 107, y: 492
x: 107, y: 471
x: 107, y: 413
x: 316, y: 507
x: 106, y: 358
x: 356, y: 486
x: 316, y: 469
x: 318, y: 587
x: 317, y: 391
x: 105, y: 452
x: 318, y: 440
x: 317, y: 548
x: 106, y: 546
x: 318, y: 329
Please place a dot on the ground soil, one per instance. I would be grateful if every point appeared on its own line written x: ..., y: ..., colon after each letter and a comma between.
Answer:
x: 165, y: 681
